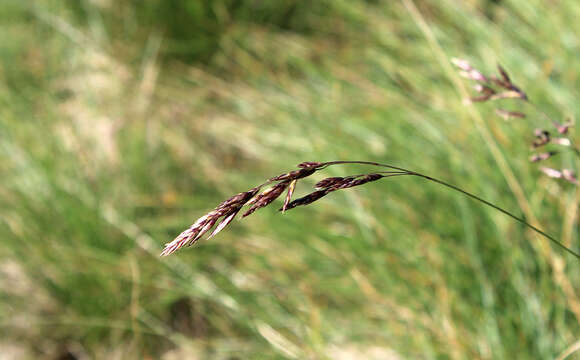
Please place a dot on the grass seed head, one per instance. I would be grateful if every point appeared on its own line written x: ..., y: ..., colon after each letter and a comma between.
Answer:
x: 507, y: 114
x: 266, y: 198
x: 308, y: 199
x: 296, y: 174
x: 227, y: 209
x: 542, y: 156
x: 542, y: 138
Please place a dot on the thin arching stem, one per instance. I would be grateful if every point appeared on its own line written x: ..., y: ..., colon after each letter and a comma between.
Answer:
x: 473, y: 196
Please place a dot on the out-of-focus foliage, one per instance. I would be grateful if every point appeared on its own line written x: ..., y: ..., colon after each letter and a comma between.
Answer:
x: 123, y: 121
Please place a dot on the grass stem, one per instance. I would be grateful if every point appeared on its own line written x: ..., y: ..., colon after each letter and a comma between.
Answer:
x: 473, y: 196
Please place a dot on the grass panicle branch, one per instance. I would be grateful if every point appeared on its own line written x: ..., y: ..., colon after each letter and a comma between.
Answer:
x: 501, y: 87
x: 287, y: 181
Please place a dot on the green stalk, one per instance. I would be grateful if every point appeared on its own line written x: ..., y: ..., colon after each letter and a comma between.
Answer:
x: 473, y: 196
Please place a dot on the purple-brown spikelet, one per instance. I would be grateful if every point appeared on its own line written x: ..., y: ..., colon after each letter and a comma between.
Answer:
x: 569, y: 176
x: 361, y: 180
x: 332, y: 184
x: 310, y: 164
x: 542, y: 138
x: 227, y: 209
x: 329, y: 182
x: 562, y: 128
x: 507, y: 114
x: 308, y: 199
x: 228, y: 218
x: 225, y: 212
x: 562, y: 141
x: 474, y: 75
x: 542, y: 156
x: 553, y: 173
x: 484, y: 89
x: 296, y: 174
x: 238, y: 199
x: 506, y: 83
x: 485, y: 83
x: 266, y: 197
x: 565, y: 174
x: 336, y: 183
x: 500, y: 87
x: 504, y: 80
x: 467, y: 71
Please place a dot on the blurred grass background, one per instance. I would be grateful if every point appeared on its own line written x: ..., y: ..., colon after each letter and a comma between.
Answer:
x: 121, y: 122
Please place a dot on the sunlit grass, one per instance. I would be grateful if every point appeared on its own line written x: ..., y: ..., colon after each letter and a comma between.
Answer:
x: 115, y: 134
